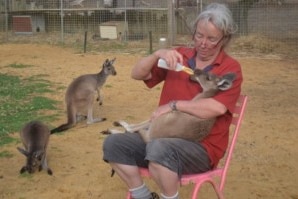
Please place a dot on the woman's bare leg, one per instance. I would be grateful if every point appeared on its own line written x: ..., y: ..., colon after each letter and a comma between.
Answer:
x: 129, y: 174
x: 166, y: 179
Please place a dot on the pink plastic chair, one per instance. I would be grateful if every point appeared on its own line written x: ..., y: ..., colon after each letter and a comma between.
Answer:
x: 217, y: 176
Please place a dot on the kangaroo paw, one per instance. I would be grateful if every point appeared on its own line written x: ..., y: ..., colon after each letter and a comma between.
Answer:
x: 116, y: 123
x: 123, y: 124
x: 96, y: 120
x: 50, y: 172
x: 23, y: 169
x: 111, y: 131
x: 106, y: 132
x: 100, y: 101
x: 112, y: 172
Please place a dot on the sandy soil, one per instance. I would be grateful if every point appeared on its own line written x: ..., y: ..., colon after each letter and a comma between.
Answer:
x: 265, y: 160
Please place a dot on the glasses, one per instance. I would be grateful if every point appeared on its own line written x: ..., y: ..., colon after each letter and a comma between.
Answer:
x: 209, y: 42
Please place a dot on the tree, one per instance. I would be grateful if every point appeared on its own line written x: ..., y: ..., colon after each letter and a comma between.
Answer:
x: 240, y: 13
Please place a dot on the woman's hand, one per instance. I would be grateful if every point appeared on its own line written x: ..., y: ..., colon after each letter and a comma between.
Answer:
x: 160, y: 110
x: 172, y: 57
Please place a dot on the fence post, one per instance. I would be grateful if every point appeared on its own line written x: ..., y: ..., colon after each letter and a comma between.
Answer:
x: 171, y: 22
x: 150, y: 42
x: 85, y: 42
x: 62, y: 24
x: 6, y: 18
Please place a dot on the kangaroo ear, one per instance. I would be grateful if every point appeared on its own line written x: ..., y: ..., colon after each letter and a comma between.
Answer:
x: 105, y: 63
x: 22, y: 151
x: 226, y: 81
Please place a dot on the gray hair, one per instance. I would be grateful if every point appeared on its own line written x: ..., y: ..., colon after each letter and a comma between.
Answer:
x: 221, y: 17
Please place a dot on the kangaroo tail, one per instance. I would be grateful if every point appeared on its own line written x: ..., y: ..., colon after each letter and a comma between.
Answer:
x: 61, y: 128
x: 71, y: 120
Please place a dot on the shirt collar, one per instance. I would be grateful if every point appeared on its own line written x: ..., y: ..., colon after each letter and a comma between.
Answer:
x: 192, y: 63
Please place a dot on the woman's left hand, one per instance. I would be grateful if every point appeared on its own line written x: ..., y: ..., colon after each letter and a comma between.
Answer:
x: 160, y: 110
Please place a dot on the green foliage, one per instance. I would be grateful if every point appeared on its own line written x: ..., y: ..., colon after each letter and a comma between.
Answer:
x: 5, y: 139
x: 5, y: 154
x: 16, y: 65
x: 26, y: 175
x: 108, y: 86
x: 22, y: 100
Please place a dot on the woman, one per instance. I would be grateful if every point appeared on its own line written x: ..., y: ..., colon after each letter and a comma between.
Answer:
x: 169, y: 158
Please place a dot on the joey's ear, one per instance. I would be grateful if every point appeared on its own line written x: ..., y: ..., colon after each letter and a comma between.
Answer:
x: 113, y: 60
x: 226, y: 81
x: 105, y: 63
x: 108, y: 62
x: 22, y: 151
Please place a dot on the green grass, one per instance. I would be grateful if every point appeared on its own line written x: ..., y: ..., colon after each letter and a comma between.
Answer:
x: 22, y: 100
x: 16, y: 65
x: 5, y: 154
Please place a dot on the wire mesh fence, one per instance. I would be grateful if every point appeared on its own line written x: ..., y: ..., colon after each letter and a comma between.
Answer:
x: 131, y: 25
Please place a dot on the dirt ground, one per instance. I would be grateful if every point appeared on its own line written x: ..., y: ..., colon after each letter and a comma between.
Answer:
x: 265, y: 159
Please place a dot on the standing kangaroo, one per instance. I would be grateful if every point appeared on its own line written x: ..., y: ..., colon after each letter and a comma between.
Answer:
x: 176, y: 124
x: 80, y: 95
x: 35, y: 138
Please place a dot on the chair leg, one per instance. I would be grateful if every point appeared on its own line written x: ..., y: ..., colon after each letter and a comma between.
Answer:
x: 128, y: 195
x: 195, y: 190
x: 198, y: 186
x: 220, y: 195
x: 218, y: 192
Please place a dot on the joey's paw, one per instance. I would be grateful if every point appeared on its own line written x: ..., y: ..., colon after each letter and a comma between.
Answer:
x: 154, y: 195
x: 50, y: 172
x: 23, y: 169
x: 116, y: 123
x: 100, y: 102
x: 106, y: 132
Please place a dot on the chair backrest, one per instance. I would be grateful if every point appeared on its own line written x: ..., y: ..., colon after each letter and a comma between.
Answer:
x: 238, y: 114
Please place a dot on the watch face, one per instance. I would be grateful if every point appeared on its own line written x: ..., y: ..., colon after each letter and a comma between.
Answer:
x: 173, y: 105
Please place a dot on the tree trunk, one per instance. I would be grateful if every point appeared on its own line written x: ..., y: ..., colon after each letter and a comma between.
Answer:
x: 240, y: 14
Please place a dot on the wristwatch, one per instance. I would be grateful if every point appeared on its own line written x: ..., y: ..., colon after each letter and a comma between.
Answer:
x: 173, y: 106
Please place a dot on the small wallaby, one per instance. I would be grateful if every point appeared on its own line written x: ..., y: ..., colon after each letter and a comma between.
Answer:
x: 178, y: 124
x: 35, y: 138
x: 80, y: 96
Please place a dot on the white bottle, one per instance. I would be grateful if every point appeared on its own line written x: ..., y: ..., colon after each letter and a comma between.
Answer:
x: 163, y: 43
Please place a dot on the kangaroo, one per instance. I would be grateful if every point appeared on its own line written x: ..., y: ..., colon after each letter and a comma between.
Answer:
x: 35, y: 138
x: 80, y: 96
x: 176, y: 124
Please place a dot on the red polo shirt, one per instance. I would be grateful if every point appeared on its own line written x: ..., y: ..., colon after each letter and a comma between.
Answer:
x: 178, y: 86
